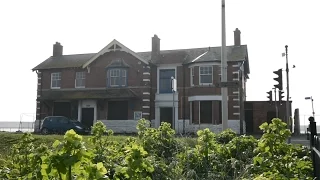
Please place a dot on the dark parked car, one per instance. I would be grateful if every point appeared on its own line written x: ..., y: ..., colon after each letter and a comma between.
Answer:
x: 61, y: 124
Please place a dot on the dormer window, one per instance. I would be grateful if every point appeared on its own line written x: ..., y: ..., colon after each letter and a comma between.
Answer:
x: 117, y: 77
x: 117, y: 73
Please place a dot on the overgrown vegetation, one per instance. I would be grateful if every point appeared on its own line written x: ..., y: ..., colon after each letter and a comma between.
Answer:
x: 156, y: 154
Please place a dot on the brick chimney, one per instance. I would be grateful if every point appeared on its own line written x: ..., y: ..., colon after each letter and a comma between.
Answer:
x: 57, y: 49
x: 237, y: 37
x: 155, y: 53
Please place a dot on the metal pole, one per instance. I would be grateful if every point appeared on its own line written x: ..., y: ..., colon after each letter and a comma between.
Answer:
x: 312, y: 107
x: 224, y: 65
x: 288, y: 94
x: 275, y: 102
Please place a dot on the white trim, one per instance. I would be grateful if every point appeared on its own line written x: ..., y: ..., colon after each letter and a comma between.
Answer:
x: 51, y: 80
x: 165, y: 66
x: 38, y: 107
x: 146, y: 114
x: 146, y: 93
x: 235, y: 72
x: 146, y: 73
x: 168, y: 66
x: 106, y: 49
x: 146, y: 80
x: 38, y: 95
x: 75, y: 80
x: 236, y: 114
x: 204, y: 64
x: 235, y: 65
x: 145, y: 100
x: 201, y: 84
x: 39, y: 84
x: 235, y: 99
x: 39, y: 77
x: 38, y: 101
x: 236, y: 106
x: 205, y: 98
x: 199, y: 56
x: 235, y: 92
x: 146, y: 107
x: 235, y: 79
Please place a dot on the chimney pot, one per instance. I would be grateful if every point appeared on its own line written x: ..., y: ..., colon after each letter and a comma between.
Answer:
x: 57, y: 49
x: 237, y: 37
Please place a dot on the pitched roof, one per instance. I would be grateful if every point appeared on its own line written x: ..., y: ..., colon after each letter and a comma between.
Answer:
x: 65, y: 61
x: 194, y: 55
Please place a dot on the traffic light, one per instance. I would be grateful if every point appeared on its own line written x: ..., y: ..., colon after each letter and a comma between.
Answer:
x: 280, y: 96
x: 278, y: 79
x: 269, y: 96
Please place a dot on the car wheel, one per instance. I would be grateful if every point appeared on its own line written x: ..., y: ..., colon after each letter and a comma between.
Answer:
x: 45, y: 131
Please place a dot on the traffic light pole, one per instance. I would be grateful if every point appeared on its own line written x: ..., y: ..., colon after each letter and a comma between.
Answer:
x: 275, y: 102
x: 288, y: 96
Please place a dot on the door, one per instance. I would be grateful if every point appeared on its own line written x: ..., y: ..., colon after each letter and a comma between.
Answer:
x: 249, y: 121
x: 166, y: 115
x: 118, y: 110
x: 271, y: 115
x: 87, y: 116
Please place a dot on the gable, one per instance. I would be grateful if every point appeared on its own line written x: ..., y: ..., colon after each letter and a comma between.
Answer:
x: 113, y: 46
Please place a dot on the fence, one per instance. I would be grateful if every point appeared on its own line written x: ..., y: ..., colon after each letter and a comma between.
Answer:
x: 315, y: 147
x: 14, y: 126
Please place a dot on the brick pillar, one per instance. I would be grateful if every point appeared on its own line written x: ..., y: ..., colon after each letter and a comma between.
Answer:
x: 39, y: 87
x: 146, y: 93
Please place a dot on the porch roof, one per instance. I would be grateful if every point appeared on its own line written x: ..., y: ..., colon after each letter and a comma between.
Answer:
x: 87, y: 94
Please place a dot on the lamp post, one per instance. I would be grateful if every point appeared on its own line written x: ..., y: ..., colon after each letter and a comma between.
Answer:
x: 307, y: 98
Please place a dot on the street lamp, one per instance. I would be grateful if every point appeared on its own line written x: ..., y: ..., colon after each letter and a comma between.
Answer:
x: 310, y: 98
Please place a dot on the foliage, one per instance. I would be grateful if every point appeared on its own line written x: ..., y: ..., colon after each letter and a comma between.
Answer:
x: 157, y: 154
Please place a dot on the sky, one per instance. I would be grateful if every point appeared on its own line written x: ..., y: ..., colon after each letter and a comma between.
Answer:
x: 30, y: 28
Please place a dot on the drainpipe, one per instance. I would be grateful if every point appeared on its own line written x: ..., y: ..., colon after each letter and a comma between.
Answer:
x: 184, y: 65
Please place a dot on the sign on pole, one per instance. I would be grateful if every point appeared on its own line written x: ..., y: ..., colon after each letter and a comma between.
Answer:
x: 173, y: 84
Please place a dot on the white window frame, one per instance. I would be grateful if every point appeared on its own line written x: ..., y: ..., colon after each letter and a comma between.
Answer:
x: 80, y: 76
x: 117, y: 76
x: 58, y: 76
x: 200, y: 83
x: 191, y: 76
x: 121, y: 75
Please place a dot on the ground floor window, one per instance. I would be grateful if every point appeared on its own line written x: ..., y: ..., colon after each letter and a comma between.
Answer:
x: 206, y: 112
x: 117, y: 110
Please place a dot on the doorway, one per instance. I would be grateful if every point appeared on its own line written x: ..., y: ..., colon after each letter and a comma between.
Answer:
x: 62, y: 109
x: 166, y: 115
x: 87, y: 116
x: 271, y: 115
x: 118, y: 110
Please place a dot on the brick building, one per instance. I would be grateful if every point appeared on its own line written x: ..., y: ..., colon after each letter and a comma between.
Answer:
x: 119, y: 86
x: 258, y: 112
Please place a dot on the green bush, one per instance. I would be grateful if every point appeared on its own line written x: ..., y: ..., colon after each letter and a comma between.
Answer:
x: 157, y: 154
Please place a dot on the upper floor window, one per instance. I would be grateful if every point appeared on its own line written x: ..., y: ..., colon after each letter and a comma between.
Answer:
x: 55, y: 80
x: 205, y: 75
x: 165, y: 80
x: 117, y: 77
x: 80, y: 79
x: 191, y: 76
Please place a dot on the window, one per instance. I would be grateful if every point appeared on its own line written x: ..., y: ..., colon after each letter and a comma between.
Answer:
x: 117, y: 77
x: 191, y: 76
x: 165, y: 80
x: 55, y: 80
x: 206, y: 112
x: 205, y: 75
x: 80, y: 79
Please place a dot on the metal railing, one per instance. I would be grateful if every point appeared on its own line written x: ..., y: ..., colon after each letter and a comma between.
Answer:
x: 314, y: 147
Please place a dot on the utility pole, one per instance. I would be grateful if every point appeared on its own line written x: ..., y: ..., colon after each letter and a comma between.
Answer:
x: 288, y: 94
x: 224, y: 66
